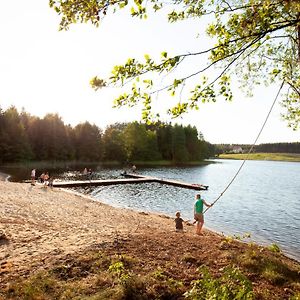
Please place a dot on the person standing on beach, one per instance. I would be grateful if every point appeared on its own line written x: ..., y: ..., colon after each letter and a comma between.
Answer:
x: 33, y: 177
x: 46, y: 178
x: 198, y: 213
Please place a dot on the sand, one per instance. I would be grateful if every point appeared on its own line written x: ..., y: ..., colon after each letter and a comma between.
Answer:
x: 40, y: 224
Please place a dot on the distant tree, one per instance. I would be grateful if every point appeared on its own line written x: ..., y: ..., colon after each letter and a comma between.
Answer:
x: 88, y: 142
x: 58, y: 144
x: 164, y: 139
x: 14, y: 143
x: 258, y: 40
x: 180, y: 153
x: 72, y: 141
x: 152, y: 152
x: 193, y: 145
x: 27, y: 137
x: 113, y: 143
x: 140, y: 144
x: 37, y: 138
x: 278, y: 148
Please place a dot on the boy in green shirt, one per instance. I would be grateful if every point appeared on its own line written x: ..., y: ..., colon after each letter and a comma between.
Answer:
x: 198, y: 213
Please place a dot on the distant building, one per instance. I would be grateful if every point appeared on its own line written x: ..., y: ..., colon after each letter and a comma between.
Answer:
x: 237, y: 149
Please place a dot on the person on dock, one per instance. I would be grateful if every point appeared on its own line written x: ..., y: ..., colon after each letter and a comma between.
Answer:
x: 133, y: 169
x: 90, y: 174
x: 33, y: 177
x: 198, y: 213
x: 178, y: 222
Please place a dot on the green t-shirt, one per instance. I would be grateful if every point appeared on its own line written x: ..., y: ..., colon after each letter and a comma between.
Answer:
x: 199, y: 206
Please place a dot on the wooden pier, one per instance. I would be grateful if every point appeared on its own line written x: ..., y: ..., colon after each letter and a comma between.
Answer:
x: 198, y: 187
x: 130, y: 178
x: 77, y: 183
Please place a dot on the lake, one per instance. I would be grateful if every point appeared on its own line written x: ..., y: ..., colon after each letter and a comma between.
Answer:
x: 264, y: 200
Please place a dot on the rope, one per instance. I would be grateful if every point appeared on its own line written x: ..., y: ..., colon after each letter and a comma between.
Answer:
x: 241, y: 166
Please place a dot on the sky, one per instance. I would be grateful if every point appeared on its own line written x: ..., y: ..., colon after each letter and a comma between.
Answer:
x: 44, y: 70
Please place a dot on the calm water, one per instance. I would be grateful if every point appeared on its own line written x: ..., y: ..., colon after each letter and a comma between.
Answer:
x: 264, y: 200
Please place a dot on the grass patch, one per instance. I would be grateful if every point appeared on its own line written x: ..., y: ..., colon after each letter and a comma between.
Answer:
x: 268, y: 267
x: 156, y: 270
x: 231, y: 285
x: 294, y: 157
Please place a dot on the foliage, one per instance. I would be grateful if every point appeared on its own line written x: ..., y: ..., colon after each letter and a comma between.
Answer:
x: 269, y: 267
x: 114, y: 148
x: 274, y: 248
x: 231, y: 285
x: 88, y: 142
x: 24, y: 137
x: 256, y: 40
x: 278, y: 148
x: 14, y: 143
x: 106, y: 273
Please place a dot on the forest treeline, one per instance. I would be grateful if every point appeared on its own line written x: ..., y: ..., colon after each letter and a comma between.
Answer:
x: 24, y: 137
x: 261, y: 148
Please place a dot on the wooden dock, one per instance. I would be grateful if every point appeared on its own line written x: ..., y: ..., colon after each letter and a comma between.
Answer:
x: 129, y: 179
x: 77, y: 183
x: 198, y: 187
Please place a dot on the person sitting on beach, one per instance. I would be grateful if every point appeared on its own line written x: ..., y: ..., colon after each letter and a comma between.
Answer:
x: 198, y: 213
x: 41, y: 178
x: 46, y: 178
x: 178, y: 222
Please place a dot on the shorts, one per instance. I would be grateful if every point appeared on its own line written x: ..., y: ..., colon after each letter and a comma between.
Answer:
x: 199, y: 217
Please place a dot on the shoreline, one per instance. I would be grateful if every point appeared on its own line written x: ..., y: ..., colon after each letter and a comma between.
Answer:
x: 44, y: 231
x: 5, y: 178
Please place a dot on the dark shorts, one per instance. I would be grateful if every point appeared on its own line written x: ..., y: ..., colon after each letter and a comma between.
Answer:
x: 199, y: 217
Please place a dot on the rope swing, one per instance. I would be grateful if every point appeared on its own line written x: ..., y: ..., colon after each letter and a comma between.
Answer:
x: 241, y: 166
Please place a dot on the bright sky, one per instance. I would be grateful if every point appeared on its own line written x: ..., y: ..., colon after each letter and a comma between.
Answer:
x: 48, y: 71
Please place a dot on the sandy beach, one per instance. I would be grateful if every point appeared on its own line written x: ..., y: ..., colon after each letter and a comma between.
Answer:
x: 42, y: 224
